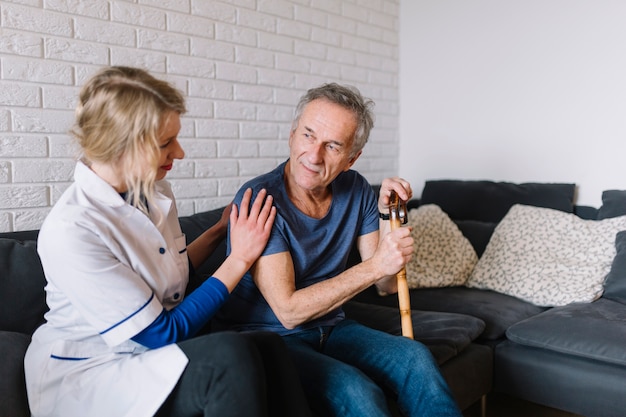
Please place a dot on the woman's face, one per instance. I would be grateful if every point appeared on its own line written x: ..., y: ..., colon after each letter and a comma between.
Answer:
x: 169, y: 147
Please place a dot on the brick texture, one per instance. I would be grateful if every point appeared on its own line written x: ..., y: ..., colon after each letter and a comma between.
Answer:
x: 243, y: 64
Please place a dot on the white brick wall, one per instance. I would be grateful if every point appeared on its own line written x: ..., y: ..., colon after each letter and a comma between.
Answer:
x: 243, y: 65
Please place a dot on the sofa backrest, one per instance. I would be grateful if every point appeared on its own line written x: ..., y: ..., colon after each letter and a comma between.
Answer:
x: 22, y: 282
x: 478, y: 206
x: 489, y: 201
x: 193, y: 226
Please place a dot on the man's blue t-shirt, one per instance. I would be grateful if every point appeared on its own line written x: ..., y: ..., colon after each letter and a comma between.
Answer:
x: 319, y: 247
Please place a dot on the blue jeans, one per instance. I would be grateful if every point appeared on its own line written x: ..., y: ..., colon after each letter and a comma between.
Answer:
x: 347, y: 370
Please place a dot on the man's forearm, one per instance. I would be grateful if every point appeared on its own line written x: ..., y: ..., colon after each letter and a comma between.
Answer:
x: 319, y: 299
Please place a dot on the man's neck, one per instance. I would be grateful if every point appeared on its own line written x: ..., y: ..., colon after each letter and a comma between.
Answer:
x: 314, y: 203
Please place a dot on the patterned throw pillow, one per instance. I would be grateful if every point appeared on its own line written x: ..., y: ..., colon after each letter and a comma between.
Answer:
x: 442, y: 256
x: 548, y: 257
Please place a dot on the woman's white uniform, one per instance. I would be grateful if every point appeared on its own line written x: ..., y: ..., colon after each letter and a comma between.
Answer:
x: 110, y: 270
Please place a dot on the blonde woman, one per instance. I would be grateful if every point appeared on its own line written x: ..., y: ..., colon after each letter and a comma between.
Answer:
x: 119, y: 337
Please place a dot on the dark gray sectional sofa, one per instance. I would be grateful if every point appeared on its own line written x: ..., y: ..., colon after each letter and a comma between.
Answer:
x: 569, y: 357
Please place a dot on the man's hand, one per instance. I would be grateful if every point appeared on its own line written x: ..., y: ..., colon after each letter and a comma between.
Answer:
x: 394, y: 252
x: 399, y: 185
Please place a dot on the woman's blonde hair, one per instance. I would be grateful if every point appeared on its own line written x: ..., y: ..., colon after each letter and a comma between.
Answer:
x: 118, y: 117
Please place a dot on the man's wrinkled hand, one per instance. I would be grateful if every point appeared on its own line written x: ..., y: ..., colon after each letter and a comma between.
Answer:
x: 399, y: 185
x: 394, y: 251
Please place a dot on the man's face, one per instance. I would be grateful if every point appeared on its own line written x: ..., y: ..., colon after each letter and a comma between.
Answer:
x: 321, y: 144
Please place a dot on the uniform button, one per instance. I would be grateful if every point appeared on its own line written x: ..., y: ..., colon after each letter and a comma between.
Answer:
x: 161, y: 251
x: 176, y: 296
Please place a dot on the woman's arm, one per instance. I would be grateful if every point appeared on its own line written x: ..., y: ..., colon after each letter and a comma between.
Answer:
x: 203, y: 246
x: 250, y: 230
x: 187, y: 318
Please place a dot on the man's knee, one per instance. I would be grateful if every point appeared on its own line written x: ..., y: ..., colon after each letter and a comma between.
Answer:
x: 355, y: 394
x: 420, y: 354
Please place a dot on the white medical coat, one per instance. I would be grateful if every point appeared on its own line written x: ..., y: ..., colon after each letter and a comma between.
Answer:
x: 110, y: 271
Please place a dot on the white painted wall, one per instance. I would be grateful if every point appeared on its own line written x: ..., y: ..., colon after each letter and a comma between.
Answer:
x: 242, y: 63
x: 512, y: 90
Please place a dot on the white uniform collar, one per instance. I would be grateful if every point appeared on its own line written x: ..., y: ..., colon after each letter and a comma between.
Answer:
x: 95, y: 187
x: 98, y: 189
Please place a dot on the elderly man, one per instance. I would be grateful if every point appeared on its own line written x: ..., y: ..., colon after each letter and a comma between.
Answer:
x: 301, y: 280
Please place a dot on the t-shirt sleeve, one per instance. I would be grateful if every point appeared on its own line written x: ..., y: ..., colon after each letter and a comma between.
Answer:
x: 369, y: 209
x: 277, y: 242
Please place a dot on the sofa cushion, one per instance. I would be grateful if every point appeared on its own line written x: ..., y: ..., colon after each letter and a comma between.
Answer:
x: 22, y: 235
x: 615, y: 283
x: 591, y: 330
x: 445, y: 334
x: 22, y: 295
x: 547, y: 257
x: 497, y: 311
x: 12, y: 385
x: 613, y: 204
x: 489, y: 201
x: 442, y: 256
x: 587, y: 212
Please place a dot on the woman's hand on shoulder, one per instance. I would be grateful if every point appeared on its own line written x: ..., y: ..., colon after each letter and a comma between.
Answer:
x: 250, y: 226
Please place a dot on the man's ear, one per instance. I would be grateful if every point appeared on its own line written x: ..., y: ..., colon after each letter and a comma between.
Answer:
x: 290, y: 138
x: 292, y: 131
x: 352, y: 161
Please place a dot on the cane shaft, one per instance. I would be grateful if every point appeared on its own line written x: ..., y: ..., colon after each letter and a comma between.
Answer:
x: 404, y: 300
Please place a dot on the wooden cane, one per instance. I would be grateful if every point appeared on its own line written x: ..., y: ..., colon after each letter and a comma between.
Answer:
x: 398, y: 216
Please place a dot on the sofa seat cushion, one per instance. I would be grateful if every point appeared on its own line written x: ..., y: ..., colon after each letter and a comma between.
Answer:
x: 497, y: 311
x: 445, y: 334
x: 591, y: 330
x: 12, y: 384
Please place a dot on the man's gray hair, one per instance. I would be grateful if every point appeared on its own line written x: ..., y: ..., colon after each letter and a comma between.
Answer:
x: 349, y: 98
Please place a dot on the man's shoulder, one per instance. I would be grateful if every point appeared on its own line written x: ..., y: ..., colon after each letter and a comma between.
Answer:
x: 271, y: 178
x: 270, y: 181
x: 353, y: 190
x: 352, y: 181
